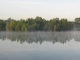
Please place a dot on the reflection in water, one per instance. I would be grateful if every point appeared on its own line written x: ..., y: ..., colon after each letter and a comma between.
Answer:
x: 46, y: 51
x: 40, y: 37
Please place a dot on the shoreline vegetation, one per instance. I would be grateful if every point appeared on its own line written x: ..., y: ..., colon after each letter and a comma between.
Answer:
x: 39, y: 24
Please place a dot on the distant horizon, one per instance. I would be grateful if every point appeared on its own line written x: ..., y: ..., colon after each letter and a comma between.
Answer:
x: 49, y: 9
x: 41, y: 17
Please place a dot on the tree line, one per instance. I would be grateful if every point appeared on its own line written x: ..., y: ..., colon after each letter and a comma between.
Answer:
x: 38, y: 24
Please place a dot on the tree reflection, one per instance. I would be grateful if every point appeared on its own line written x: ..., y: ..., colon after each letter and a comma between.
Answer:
x: 40, y: 37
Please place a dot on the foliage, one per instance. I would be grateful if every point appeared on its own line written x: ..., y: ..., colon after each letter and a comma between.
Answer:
x: 38, y: 24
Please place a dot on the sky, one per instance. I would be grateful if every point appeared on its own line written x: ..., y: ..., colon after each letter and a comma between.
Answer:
x: 48, y: 9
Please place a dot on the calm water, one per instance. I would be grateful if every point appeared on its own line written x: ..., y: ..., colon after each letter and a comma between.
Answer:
x: 40, y: 45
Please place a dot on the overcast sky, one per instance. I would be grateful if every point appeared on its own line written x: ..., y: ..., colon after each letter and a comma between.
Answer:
x: 47, y: 9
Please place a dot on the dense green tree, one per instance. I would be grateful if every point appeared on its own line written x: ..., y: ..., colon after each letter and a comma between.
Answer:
x: 39, y: 24
x: 77, y: 23
x: 77, y: 20
x: 2, y: 25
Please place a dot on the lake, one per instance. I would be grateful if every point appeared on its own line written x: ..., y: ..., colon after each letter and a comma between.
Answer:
x: 40, y: 45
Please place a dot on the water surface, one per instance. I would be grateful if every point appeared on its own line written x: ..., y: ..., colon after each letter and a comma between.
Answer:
x: 40, y: 45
